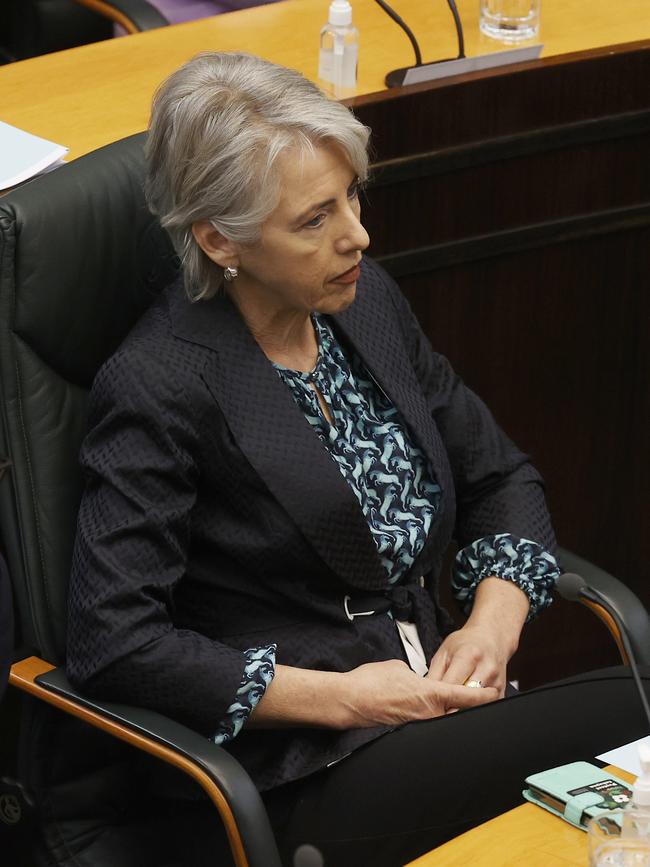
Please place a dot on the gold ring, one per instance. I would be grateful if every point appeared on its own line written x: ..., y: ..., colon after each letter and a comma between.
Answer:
x: 474, y: 684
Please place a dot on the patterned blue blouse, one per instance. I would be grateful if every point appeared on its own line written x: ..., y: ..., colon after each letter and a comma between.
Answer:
x: 387, y: 473
x: 397, y: 493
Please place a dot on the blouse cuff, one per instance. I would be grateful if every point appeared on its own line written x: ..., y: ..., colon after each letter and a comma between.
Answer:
x: 527, y: 564
x: 258, y: 674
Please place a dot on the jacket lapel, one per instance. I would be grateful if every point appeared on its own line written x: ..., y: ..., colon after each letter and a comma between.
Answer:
x: 370, y: 327
x: 278, y: 441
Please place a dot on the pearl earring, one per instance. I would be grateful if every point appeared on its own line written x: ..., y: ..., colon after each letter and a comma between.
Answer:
x: 229, y: 274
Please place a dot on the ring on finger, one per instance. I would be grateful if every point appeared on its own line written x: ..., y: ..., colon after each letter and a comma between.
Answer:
x: 473, y: 684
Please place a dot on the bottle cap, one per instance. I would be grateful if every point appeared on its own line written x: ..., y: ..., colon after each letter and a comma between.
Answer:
x: 641, y: 789
x: 340, y: 12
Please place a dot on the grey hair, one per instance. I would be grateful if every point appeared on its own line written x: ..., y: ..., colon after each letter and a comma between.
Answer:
x: 218, y: 125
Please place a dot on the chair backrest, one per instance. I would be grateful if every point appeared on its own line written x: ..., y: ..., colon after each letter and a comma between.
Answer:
x: 31, y: 27
x: 6, y: 626
x: 81, y: 257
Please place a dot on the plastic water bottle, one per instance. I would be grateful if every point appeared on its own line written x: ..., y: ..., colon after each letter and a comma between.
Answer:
x: 339, y: 51
x: 621, y: 838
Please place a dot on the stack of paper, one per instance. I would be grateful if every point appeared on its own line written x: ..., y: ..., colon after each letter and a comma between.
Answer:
x: 626, y: 757
x: 23, y: 155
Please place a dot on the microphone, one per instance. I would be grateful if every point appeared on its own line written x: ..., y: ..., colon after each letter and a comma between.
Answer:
x: 571, y: 586
x: 574, y: 588
x: 396, y: 77
x: 307, y: 856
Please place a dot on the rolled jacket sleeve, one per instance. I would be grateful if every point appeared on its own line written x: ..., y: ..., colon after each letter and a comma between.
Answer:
x: 522, y: 561
x: 258, y: 674
x: 131, y: 550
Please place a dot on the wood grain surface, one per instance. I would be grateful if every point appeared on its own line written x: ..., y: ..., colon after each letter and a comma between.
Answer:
x: 88, y: 96
x: 527, y: 835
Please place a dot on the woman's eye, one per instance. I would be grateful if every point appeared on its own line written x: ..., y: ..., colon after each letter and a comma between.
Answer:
x: 315, y: 222
x: 353, y: 190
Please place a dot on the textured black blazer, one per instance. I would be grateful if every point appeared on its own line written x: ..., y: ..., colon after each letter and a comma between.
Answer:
x: 214, y: 520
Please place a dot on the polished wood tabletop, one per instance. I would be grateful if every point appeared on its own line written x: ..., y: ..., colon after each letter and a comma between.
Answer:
x: 89, y: 96
x: 526, y: 835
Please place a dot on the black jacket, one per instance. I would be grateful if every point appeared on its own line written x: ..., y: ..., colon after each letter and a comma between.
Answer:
x: 214, y: 520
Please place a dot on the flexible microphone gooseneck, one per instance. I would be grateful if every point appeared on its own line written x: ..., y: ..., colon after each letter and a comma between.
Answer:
x: 396, y: 77
x: 574, y: 588
x: 401, y: 23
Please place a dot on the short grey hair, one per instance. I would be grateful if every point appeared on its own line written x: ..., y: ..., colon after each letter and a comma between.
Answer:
x: 218, y: 125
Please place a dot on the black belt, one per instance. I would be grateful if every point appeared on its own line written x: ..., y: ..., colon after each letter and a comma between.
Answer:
x: 398, y: 600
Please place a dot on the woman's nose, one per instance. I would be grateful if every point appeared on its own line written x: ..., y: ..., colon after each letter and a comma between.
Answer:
x: 354, y: 237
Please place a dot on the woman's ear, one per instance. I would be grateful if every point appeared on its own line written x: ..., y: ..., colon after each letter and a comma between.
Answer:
x: 220, y: 249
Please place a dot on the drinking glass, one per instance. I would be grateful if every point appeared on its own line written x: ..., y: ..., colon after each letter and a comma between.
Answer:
x: 510, y: 20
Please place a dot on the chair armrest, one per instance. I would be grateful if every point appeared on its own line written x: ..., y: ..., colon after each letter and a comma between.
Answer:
x: 132, y: 15
x: 625, y: 603
x: 223, y: 779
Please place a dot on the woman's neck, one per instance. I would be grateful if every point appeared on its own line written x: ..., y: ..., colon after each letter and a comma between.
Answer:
x: 285, y: 337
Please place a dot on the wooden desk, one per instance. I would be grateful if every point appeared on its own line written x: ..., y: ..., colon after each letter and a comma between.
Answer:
x: 89, y: 96
x: 526, y: 835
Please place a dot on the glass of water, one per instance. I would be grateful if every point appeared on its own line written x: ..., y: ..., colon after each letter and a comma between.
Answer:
x: 620, y: 838
x: 510, y: 20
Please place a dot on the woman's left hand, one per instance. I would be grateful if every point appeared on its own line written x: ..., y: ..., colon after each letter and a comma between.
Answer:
x: 472, y: 653
x: 481, y: 650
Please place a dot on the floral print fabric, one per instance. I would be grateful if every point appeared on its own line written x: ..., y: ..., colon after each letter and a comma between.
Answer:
x: 527, y: 564
x: 258, y: 674
x: 386, y: 471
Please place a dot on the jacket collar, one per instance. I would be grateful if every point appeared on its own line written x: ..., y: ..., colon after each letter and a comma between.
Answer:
x: 278, y: 441
x: 373, y: 329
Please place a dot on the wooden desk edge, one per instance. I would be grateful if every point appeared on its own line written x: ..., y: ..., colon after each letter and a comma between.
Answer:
x: 455, y: 851
x: 546, y: 62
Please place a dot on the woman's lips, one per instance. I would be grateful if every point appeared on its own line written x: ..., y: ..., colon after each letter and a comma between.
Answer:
x: 348, y: 276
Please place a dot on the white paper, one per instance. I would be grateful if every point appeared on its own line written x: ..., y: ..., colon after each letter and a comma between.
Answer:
x: 626, y: 757
x: 433, y: 71
x: 23, y: 155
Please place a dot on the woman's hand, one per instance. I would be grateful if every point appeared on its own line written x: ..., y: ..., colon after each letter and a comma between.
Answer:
x: 390, y: 693
x: 482, y: 649
x: 377, y: 693
x: 472, y: 653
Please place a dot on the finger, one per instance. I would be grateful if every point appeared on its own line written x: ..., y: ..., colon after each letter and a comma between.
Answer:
x: 464, y: 696
x: 439, y: 664
x: 492, y: 676
x: 460, y: 669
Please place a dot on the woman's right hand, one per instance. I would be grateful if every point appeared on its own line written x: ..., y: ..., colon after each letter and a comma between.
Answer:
x: 377, y: 693
x: 390, y: 693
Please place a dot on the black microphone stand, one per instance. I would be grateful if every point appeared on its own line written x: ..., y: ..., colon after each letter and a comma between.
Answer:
x: 396, y: 77
x: 594, y: 595
x: 573, y: 588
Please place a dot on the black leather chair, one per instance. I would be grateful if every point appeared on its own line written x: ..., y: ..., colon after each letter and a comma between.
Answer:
x: 133, y: 15
x: 32, y: 27
x: 80, y: 258
x: 6, y: 625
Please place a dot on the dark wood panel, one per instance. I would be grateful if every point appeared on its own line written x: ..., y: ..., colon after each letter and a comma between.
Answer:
x: 556, y: 340
x: 560, y: 90
x: 516, y: 210
x: 509, y: 193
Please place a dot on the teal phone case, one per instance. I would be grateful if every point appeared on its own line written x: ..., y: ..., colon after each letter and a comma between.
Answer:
x: 584, y: 789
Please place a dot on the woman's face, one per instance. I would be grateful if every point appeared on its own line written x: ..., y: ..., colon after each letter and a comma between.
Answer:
x: 310, y: 247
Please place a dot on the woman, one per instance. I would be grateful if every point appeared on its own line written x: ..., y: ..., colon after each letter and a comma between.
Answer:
x: 277, y: 462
